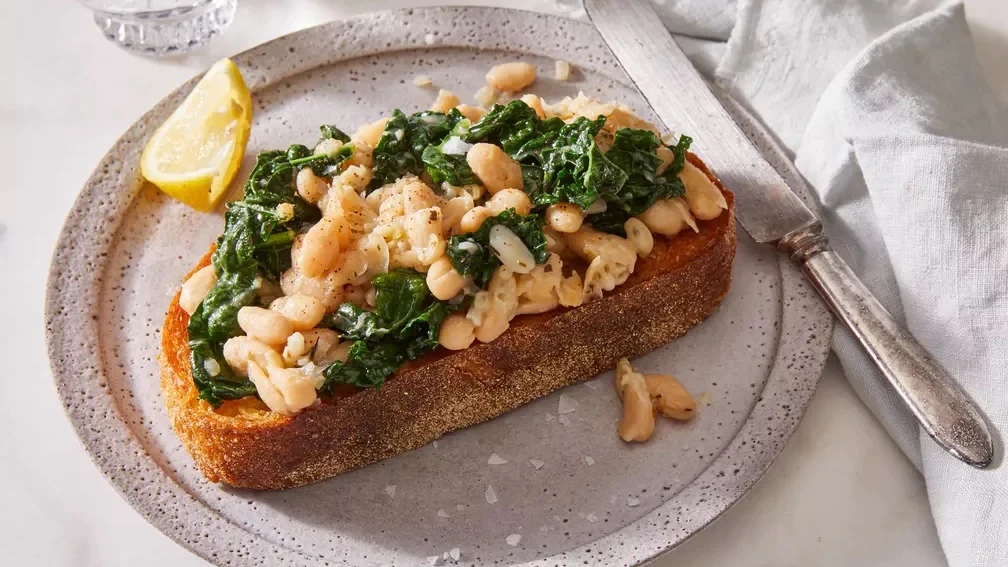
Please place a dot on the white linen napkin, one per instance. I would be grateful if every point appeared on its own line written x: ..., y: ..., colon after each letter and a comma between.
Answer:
x: 906, y: 147
x: 908, y: 151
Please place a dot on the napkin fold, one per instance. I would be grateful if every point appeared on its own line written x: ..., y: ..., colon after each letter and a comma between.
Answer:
x: 906, y: 146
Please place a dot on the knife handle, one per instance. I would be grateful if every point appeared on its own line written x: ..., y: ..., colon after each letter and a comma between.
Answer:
x: 942, y: 407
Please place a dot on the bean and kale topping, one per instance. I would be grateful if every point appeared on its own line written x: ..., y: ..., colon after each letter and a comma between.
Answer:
x: 560, y: 163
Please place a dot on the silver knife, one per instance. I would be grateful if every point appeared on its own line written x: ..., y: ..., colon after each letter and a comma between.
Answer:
x: 771, y: 213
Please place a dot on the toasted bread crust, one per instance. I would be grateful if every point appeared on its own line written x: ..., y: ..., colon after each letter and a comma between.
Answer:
x: 244, y: 445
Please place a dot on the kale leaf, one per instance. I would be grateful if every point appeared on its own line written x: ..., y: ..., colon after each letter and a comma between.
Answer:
x: 403, y: 326
x: 401, y: 147
x: 509, y: 126
x: 330, y: 132
x: 634, y: 152
x: 450, y: 166
x: 471, y: 255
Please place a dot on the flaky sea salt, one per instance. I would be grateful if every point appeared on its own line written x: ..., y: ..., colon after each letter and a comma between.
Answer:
x: 491, y: 496
x: 564, y: 420
x: 589, y: 460
x: 592, y: 517
x: 613, y: 499
x: 513, y: 539
x: 433, y: 559
x: 536, y: 463
x: 442, y: 514
x: 460, y: 507
x: 550, y: 417
x: 632, y: 502
x: 455, y: 553
x: 496, y: 459
x: 566, y: 404
x: 390, y: 490
x: 429, y: 39
x: 592, y: 385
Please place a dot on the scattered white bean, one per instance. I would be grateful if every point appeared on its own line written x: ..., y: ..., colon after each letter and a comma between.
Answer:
x: 511, y: 77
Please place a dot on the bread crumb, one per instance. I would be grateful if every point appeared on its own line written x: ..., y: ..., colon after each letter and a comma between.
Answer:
x: 561, y: 70
x: 422, y: 81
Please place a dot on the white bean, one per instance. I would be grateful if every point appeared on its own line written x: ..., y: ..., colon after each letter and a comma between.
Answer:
x: 303, y: 311
x: 473, y: 113
x: 310, y: 187
x: 370, y: 133
x: 446, y: 100
x: 320, y: 247
x: 639, y: 235
x: 472, y: 220
x: 453, y: 211
x: 239, y: 350
x: 535, y: 103
x: 509, y: 199
x: 510, y: 249
x: 196, y: 288
x: 327, y: 147
x: 494, y: 168
x: 423, y: 229
x: 417, y: 195
x: 668, y: 217
x: 704, y: 198
x: 511, y: 77
x: 456, y: 332
x: 262, y: 324
x: 494, y: 324
x: 443, y: 280
x: 564, y: 217
x: 638, y: 421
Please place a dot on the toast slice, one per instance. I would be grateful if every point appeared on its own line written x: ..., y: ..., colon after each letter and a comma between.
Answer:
x: 245, y: 445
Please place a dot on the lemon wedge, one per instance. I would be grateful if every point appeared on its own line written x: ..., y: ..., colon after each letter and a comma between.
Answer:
x: 196, y: 153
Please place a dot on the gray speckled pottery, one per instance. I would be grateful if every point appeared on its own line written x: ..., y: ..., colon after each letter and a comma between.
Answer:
x: 593, y: 499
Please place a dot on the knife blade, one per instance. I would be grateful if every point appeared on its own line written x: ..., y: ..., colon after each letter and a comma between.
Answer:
x: 771, y: 213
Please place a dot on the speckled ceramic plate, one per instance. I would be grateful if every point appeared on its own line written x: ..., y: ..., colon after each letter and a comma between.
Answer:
x: 593, y: 499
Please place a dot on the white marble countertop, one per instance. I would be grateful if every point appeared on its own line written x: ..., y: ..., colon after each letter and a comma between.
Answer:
x: 841, y: 494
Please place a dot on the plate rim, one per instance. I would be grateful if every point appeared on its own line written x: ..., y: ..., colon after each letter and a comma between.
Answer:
x: 61, y: 282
